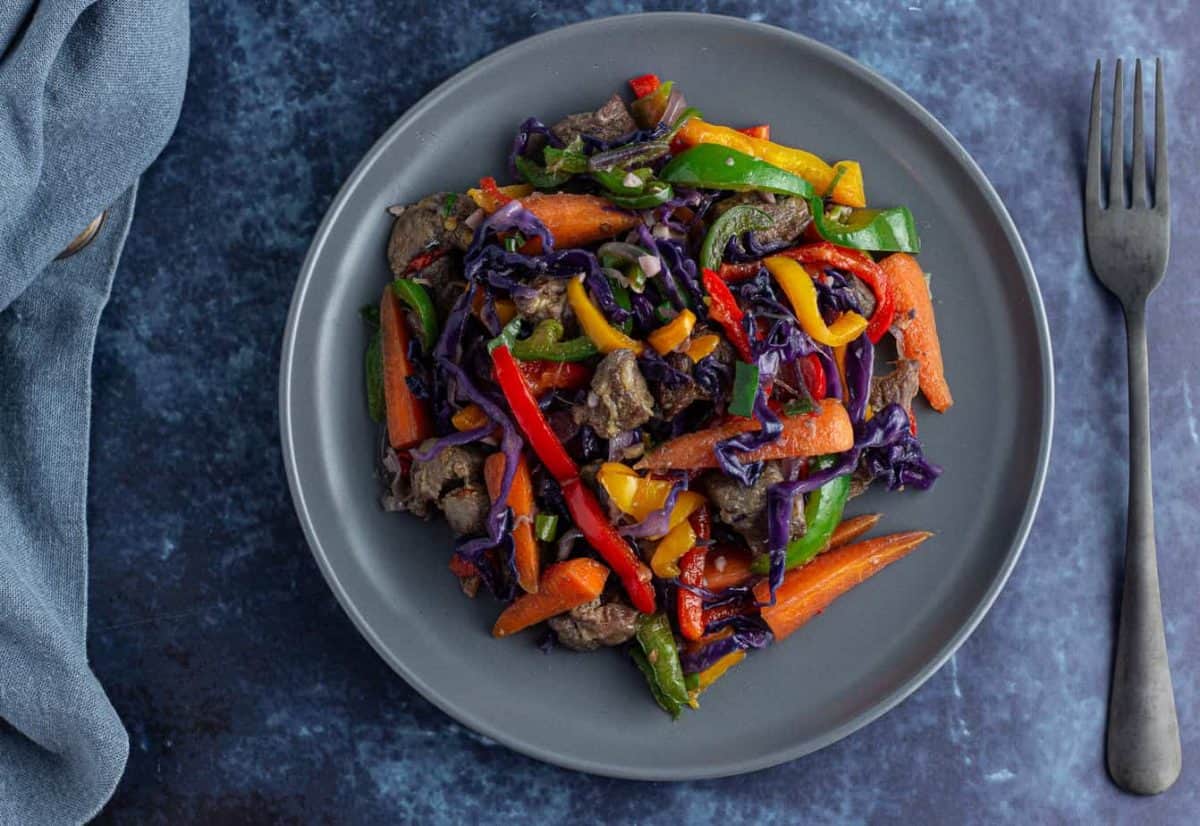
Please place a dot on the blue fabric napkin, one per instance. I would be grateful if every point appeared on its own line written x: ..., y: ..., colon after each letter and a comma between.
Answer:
x: 90, y: 91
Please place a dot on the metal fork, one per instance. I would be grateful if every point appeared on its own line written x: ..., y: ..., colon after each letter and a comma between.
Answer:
x: 1128, y: 247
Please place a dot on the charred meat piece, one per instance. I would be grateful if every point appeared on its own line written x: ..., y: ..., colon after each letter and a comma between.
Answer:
x: 609, y: 122
x: 453, y: 481
x: 619, y: 398
x: 466, y: 510
x: 789, y: 216
x: 593, y: 624
x: 745, y: 508
x: 437, y: 220
x: 675, y: 398
x: 897, y: 387
x: 542, y: 299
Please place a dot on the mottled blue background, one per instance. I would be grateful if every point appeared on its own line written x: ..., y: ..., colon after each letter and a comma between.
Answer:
x: 249, y: 696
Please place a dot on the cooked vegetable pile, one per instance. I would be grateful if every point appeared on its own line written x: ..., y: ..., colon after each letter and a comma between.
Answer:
x: 641, y: 385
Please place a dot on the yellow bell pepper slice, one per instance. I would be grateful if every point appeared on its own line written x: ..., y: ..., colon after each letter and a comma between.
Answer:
x: 678, y: 541
x: 798, y: 285
x: 469, y: 418
x: 606, y: 337
x: 675, y: 332
x: 702, y: 347
x: 639, y: 497
x: 717, y: 670
x: 488, y: 203
x: 848, y: 189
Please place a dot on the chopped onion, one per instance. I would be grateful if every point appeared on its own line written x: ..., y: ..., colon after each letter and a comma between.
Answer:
x: 650, y: 265
x: 474, y: 219
x: 661, y: 231
x: 632, y: 181
x: 567, y: 542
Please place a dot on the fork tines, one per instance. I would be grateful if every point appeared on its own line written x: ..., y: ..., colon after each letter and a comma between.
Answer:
x: 1116, y: 177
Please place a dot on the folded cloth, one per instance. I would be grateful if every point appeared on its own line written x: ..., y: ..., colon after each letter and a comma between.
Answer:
x: 90, y: 91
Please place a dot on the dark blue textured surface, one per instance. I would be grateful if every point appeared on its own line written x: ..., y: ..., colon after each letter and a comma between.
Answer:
x: 249, y: 696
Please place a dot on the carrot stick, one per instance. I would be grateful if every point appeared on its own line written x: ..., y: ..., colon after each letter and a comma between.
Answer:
x: 407, y: 416
x: 915, y: 329
x: 520, y: 499
x: 808, y: 590
x: 564, y: 585
x: 808, y: 434
x: 851, y: 529
x: 576, y: 220
x: 727, y: 566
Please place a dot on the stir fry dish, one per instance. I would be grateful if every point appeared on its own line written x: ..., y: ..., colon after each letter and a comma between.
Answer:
x: 640, y: 384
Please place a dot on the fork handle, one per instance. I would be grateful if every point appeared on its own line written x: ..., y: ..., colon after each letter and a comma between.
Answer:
x: 1143, y: 731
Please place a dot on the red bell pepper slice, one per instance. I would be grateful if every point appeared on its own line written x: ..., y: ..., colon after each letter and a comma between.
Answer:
x: 489, y: 186
x: 529, y: 416
x: 597, y: 529
x: 813, y: 373
x: 643, y: 85
x: 554, y: 375
x: 762, y: 130
x: 424, y: 259
x: 725, y: 311
x: 689, y: 605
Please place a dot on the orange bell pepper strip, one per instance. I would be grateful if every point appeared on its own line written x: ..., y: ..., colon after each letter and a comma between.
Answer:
x: 563, y: 586
x: 808, y: 590
x: 526, y: 558
x: 914, y: 327
x: 408, y: 421
x: 675, y: 332
x: 848, y: 189
x: 826, y: 430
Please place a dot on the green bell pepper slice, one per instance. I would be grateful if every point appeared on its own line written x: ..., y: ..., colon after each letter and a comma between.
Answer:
x: 874, y: 230
x: 545, y: 527
x: 745, y: 389
x: 660, y: 662
x: 648, y: 110
x: 822, y: 513
x: 734, y: 221
x: 710, y: 166
x: 418, y: 300
x: 646, y: 195
x: 546, y: 344
x: 374, y: 371
x: 536, y: 174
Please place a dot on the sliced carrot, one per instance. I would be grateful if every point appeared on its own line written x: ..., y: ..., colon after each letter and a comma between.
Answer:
x: 520, y: 498
x: 563, y: 586
x: 407, y: 416
x: 808, y: 590
x: 727, y: 566
x: 915, y: 328
x: 576, y: 220
x: 851, y: 529
x: 808, y: 434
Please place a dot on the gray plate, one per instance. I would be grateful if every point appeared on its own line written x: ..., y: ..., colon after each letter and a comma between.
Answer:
x: 870, y: 649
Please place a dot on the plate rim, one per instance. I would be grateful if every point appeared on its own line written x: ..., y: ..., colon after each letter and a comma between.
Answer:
x: 842, y: 62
